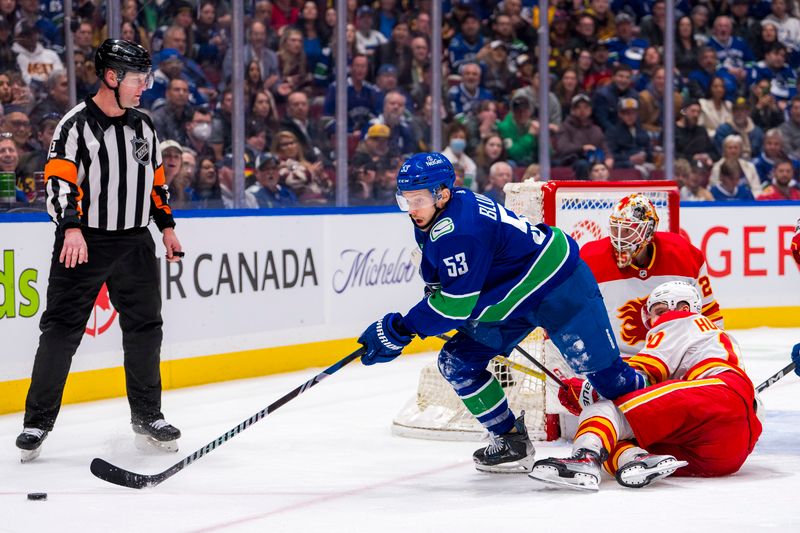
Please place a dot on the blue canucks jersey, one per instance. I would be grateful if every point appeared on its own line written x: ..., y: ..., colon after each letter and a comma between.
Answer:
x: 485, y: 263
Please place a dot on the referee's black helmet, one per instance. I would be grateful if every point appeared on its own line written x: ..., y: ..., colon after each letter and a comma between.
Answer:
x: 121, y: 56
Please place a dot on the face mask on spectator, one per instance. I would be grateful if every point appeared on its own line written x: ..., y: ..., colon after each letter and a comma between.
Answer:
x: 202, y: 131
x: 458, y: 145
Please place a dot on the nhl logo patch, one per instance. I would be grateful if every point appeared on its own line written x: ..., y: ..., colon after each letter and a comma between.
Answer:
x: 141, y: 151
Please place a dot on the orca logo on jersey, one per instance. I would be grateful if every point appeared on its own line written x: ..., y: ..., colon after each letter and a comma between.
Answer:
x: 443, y: 227
x: 632, y: 330
x: 141, y: 151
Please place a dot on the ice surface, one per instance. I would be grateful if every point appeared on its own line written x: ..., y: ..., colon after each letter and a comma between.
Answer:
x: 327, y: 461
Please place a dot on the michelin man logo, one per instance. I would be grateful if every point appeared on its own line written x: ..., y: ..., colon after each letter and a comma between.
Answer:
x: 431, y: 161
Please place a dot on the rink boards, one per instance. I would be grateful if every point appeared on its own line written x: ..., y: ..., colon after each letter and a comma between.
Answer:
x: 258, y: 294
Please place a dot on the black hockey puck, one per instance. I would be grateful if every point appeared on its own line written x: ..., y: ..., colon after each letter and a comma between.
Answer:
x: 37, y: 496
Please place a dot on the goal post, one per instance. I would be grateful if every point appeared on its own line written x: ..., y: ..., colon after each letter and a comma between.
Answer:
x: 581, y: 209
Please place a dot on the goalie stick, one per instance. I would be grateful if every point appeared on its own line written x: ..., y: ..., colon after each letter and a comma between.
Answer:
x: 119, y: 476
x: 775, y: 377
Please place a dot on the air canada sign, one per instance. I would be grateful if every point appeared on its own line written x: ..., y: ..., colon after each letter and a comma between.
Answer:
x: 371, y: 267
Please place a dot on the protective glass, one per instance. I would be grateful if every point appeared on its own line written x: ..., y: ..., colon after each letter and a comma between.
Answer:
x: 138, y: 79
x: 415, y: 200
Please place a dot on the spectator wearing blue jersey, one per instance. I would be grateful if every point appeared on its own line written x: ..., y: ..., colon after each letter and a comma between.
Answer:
x: 368, y: 39
x: 362, y: 96
x: 387, y: 17
x: 466, y: 44
x: 782, y: 78
x: 732, y: 52
x: 741, y: 124
x: 466, y: 96
x: 731, y: 186
x: 771, y: 152
x: 700, y: 79
x: 267, y: 190
x: 626, y: 47
x: 495, y: 277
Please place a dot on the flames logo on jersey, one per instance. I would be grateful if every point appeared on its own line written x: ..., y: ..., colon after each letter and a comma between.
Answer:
x: 632, y: 330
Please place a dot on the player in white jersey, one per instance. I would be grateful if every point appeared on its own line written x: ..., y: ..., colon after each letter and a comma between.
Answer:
x: 698, y: 418
x: 634, y: 260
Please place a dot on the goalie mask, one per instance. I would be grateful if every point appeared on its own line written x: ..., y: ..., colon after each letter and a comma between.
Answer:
x: 632, y: 224
x: 671, y: 294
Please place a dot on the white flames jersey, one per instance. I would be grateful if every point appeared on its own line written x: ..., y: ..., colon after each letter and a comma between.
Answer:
x: 686, y: 346
x: 625, y: 291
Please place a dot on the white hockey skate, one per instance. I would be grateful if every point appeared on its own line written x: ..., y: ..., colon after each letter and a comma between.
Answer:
x: 157, y: 434
x: 29, y: 443
x: 579, y: 472
x: 646, y: 468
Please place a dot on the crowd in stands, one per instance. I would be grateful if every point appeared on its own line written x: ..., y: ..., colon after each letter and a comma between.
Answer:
x: 737, y: 106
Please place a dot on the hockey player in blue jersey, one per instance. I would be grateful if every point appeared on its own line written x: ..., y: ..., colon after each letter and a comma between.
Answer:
x: 495, y: 277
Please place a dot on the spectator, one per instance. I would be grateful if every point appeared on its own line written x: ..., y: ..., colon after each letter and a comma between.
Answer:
x: 171, y: 119
x: 767, y: 114
x: 306, y: 179
x: 363, y: 181
x: 686, y: 48
x: 309, y: 131
x: 531, y: 172
x: 500, y: 174
x: 29, y: 14
x: 292, y: 64
x: 691, y: 139
x: 315, y: 34
x: 653, y: 26
x: 402, y: 140
x: 651, y: 112
x: 368, y: 40
x: 741, y: 124
x: 57, y: 100
x: 455, y: 151
x: 490, y: 151
x: 170, y: 67
x: 599, y: 172
x: 263, y: 14
x: 256, y: 141
x: 732, y: 52
x: 680, y: 171
x: 583, y: 64
x: 176, y: 38
x: 464, y: 46
x: 480, y: 124
x: 625, y: 47
x: 413, y: 75
x: 256, y: 49
x: 628, y: 142
x: 524, y: 74
x: 701, y: 16
x: 82, y: 38
x: 743, y: 26
x: 86, y: 82
x: 210, y: 44
x: 268, y: 191
x: 19, y: 125
x: 5, y: 90
x: 791, y: 129
x: 566, y: 89
x: 198, y: 132
x: 397, y: 51
x: 600, y: 73
x: 171, y: 158
x: 782, y: 78
x: 283, y: 14
x: 771, y: 152
x: 732, y: 154
x: 700, y: 79
x: 730, y: 185
x: 130, y: 15
x: 561, y: 55
x: 519, y: 132
x: 262, y: 109
x: 386, y: 81
x: 714, y: 109
x: 35, y: 160
x: 421, y: 123
x: 387, y: 17
x: 521, y: 20
x: 362, y: 96
x: 605, y: 99
x: 253, y: 79
x: 497, y: 76
x: 376, y: 145
x: 225, y: 177
x: 222, y: 125
x: 694, y: 189
x: 554, y: 106
x: 503, y: 30
x: 783, y: 185
x: 585, y: 34
x: 788, y: 26
x: 766, y: 36
x: 467, y: 95
x: 651, y: 61
x: 205, y: 192
x: 580, y: 143
x: 34, y: 61
x: 9, y: 159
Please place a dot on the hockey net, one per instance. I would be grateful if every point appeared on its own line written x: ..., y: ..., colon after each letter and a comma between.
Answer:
x: 580, y: 209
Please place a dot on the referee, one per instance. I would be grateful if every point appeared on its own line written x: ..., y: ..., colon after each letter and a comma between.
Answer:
x: 104, y: 183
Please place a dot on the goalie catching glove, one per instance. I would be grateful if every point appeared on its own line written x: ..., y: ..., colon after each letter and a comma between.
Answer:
x: 384, y: 340
x: 576, y: 394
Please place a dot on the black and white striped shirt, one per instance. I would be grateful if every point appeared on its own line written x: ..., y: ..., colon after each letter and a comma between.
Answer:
x: 105, y: 172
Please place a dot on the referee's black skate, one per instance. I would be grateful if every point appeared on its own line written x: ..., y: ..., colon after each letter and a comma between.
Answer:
x: 509, y: 453
x: 156, y: 433
x: 30, y: 442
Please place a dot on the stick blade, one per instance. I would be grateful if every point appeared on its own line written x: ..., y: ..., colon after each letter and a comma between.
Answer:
x: 119, y: 476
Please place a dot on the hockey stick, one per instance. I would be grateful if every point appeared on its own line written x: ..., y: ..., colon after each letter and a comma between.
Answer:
x: 775, y: 377
x: 521, y: 368
x: 119, y: 476
x: 527, y: 356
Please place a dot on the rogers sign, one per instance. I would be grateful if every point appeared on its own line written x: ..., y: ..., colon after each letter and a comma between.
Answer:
x: 753, y: 251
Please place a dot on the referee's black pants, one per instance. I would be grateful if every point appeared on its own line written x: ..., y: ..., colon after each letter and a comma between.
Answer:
x: 126, y: 262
